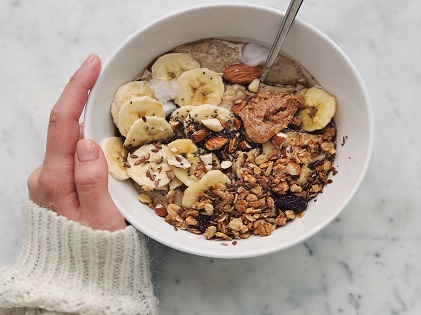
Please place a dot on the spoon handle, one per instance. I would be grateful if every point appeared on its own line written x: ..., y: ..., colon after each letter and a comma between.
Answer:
x: 289, y: 17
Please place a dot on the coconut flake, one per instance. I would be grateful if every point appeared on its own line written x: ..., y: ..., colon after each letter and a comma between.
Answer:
x: 206, y: 159
x: 253, y: 54
x: 164, y: 90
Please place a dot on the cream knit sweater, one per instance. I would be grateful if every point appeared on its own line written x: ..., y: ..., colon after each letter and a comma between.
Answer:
x: 65, y: 267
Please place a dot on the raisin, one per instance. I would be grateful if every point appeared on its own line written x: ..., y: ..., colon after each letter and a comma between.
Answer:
x: 291, y: 202
x: 203, y: 222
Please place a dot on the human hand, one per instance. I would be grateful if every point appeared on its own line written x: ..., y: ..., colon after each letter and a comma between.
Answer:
x: 73, y: 179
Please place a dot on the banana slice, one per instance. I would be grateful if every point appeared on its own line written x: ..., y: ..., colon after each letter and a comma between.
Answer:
x: 126, y: 92
x: 206, y: 111
x: 319, y: 109
x: 149, y: 167
x: 210, y: 179
x: 171, y: 66
x: 199, y: 86
x: 178, y: 117
x: 148, y: 129
x: 184, y: 160
x: 136, y: 108
x: 181, y: 113
x: 115, y: 154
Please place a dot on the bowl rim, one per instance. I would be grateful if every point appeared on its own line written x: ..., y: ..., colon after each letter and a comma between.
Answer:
x: 368, y: 107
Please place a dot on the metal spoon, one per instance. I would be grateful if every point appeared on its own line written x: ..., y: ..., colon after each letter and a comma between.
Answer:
x: 289, y: 17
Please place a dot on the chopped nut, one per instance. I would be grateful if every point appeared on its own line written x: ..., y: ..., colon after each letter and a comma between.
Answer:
x: 254, y: 85
x: 206, y: 159
x: 244, y: 145
x: 200, y: 134
x: 213, y: 124
x: 236, y: 123
x: 174, y: 124
x: 161, y: 211
x: 238, y: 106
x: 232, y: 145
x: 279, y: 139
x: 215, y: 143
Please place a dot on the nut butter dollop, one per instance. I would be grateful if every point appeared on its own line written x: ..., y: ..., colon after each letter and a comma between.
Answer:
x: 267, y: 114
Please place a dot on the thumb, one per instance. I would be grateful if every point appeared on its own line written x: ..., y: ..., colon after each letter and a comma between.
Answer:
x: 97, y: 209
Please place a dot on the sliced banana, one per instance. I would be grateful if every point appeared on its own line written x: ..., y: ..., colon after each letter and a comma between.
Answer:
x: 171, y: 66
x: 181, y: 113
x: 177, y: 119
x: 319, y: 109
x: 115, y: 154
x: 149, y: 167
x: 136, y: 108
x: 148, y: 129
x: 182, y: 153
x: 210, y: 179
x: 199, y: 86
x: 206, y: 111
x: 126, y: 92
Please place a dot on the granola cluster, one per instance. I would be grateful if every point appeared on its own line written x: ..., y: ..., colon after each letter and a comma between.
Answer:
x: 270, y: 185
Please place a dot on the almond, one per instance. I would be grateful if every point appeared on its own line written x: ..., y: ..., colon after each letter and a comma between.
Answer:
x: 236, y: 108
x: 215, y: 143
x: 236, y: 123
x: 200, y: 135
x: 232, y: 146
x: 161, y: 211
x: 174, y: 125
x: 241, y: 73
x: 244, y: 145
x: 278, y: 139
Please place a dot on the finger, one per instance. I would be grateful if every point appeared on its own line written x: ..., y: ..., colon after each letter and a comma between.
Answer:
x: 63, y: 129
x: 33, y: 186
x: 81, y: 131
x: 97, y: 209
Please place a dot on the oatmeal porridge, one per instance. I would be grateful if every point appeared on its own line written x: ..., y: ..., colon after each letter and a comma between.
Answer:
x: 216, y: 152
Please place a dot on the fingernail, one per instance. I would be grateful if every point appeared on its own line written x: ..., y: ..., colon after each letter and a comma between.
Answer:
x: 86, y: 150
x: 88, y: 60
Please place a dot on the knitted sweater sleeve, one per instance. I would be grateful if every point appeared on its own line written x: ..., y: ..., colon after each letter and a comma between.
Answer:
x: 65, y: 267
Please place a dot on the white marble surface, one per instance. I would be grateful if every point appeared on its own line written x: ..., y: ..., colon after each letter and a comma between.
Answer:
x: 366, y: 262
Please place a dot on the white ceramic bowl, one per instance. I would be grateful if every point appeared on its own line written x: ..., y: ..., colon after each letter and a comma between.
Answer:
x: 311, y: 48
